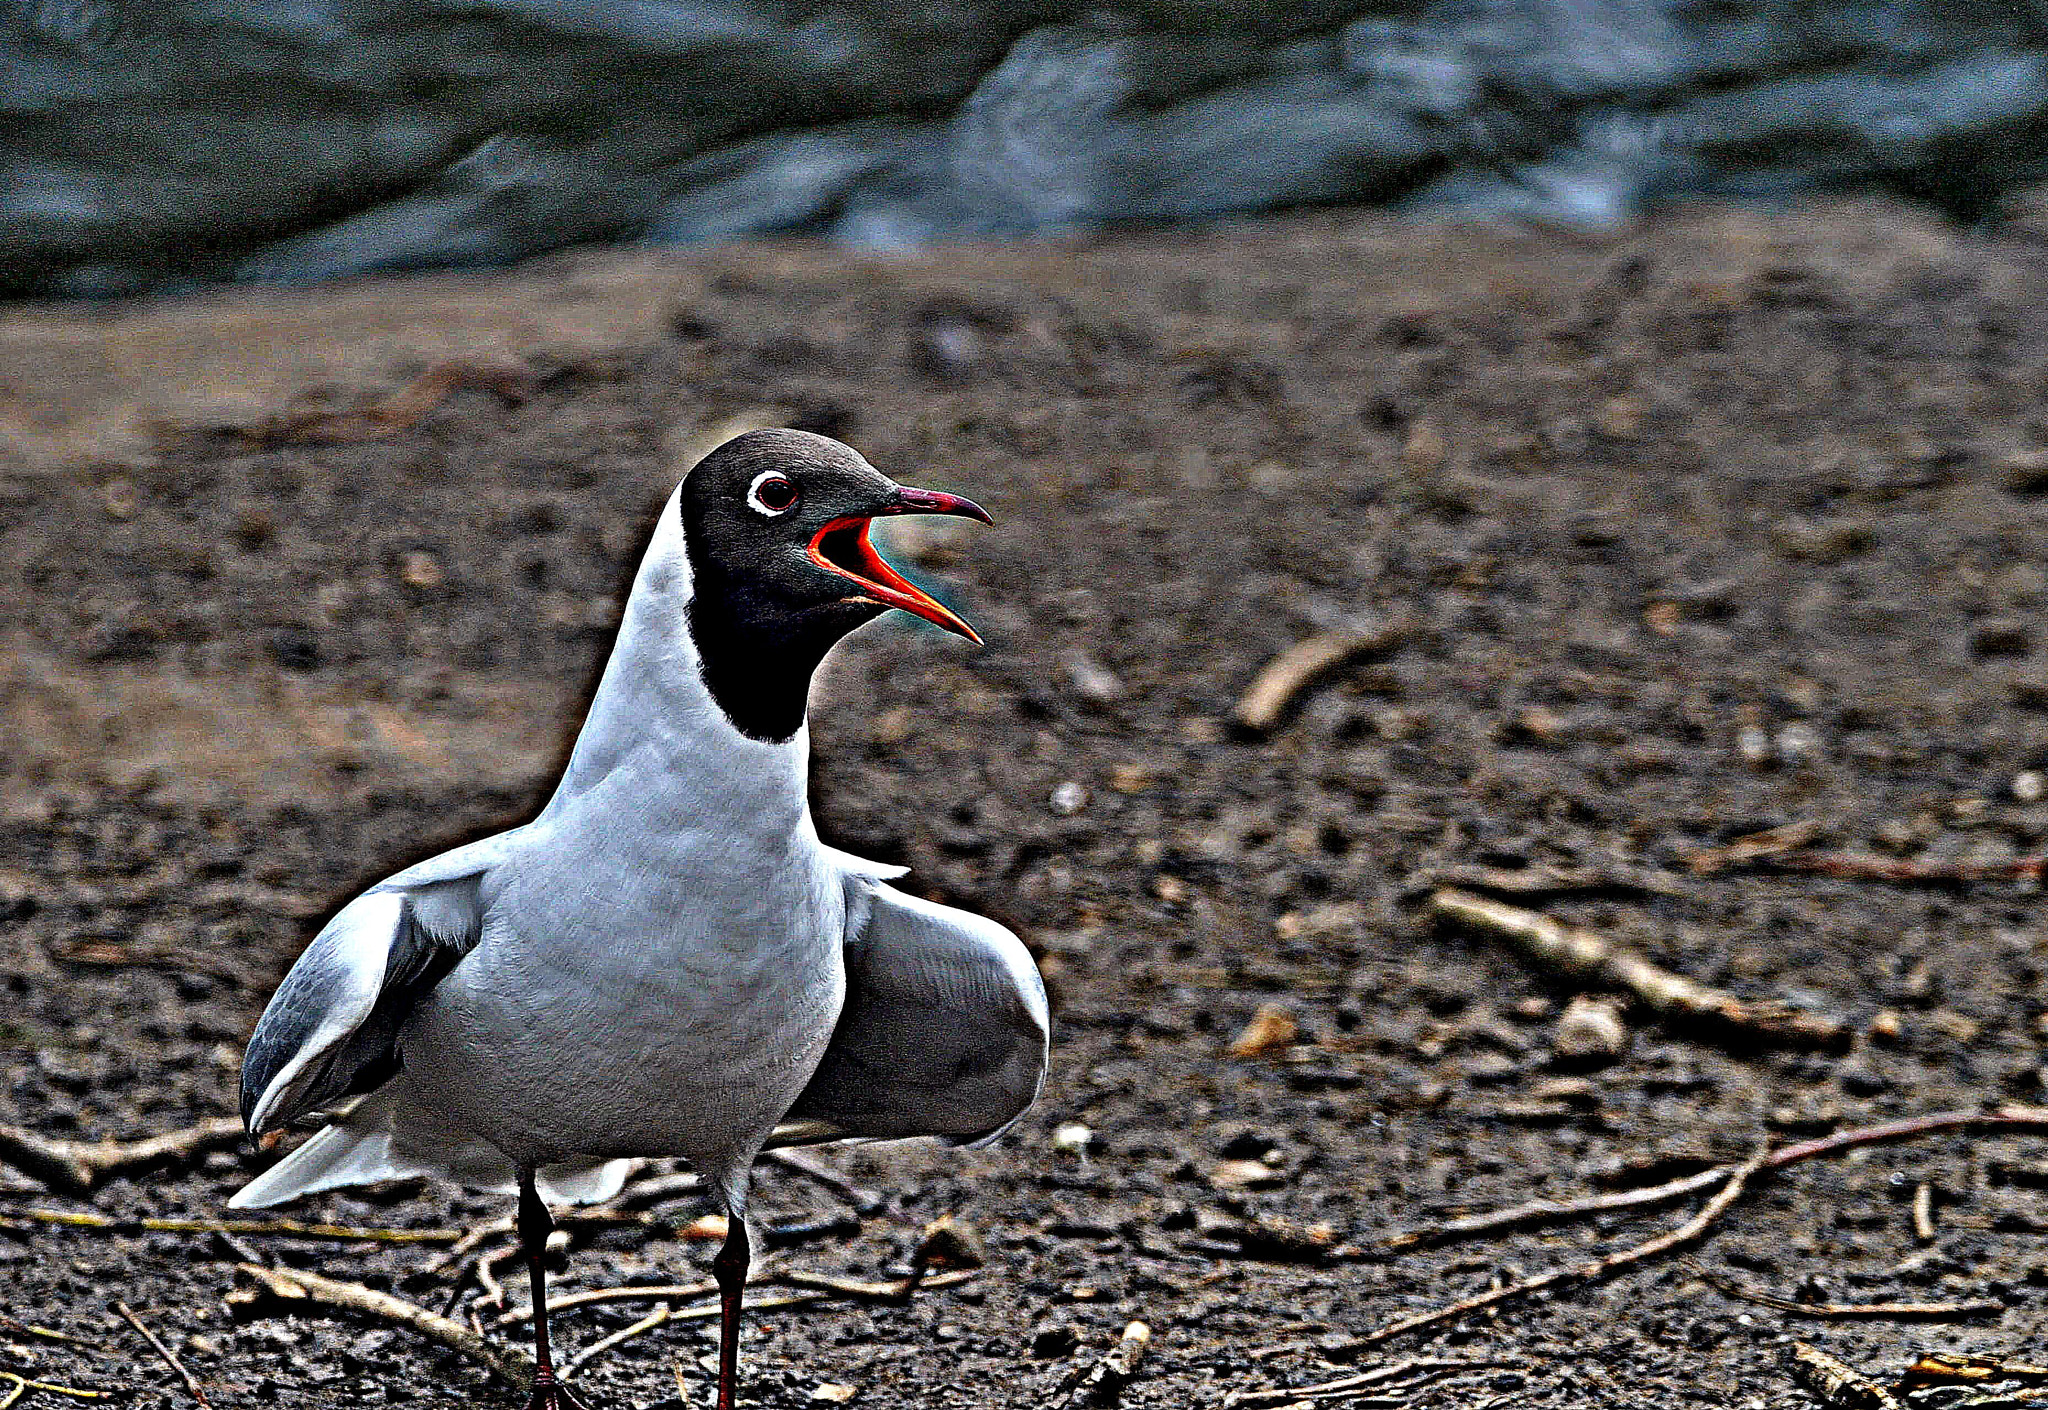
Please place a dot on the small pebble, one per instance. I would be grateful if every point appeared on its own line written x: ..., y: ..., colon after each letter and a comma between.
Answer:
x: 1753, y: 743
x: 1072, y: 1138
x: 1589, y: 1032
x: 1798, y: 743
x: 1094, y: 682
x: 1068, y: 799
x: 2028, y: 786
x: 420, y: 570
x: 1272, y: 1030
x: 833, y: 1393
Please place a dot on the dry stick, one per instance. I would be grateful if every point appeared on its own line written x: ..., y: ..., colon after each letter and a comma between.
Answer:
x: 1549, y: 881
x: 1268, y: 698
x: 468, y: 1244
x: 1865, y: 866
x: 1107, y: 1378
x: 30, y: 1329
x: 1430, y: 1366
x: 1923, y: 1212
x: 1836, y: 1382
x: 625, y: 1334
x: 170, y: 1357
x: 299, y: 1289
x: 823, y: 1284
x: 2009, y: 1118
x: 1545, y: 1211
x: 1896, y: 1311
x: 76, y: 1167
x: 1769, y: 843
x: 23, y: 1385
x: 286, y: 1228
x: 1582, y: 955
x: 1958, y: 1367
x: 863, y: 1200
x: 1604, y: 1267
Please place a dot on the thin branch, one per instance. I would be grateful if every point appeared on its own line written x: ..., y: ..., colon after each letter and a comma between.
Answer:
x: 1771, y: 842
x: 1836, y: 1383
x: 1104, y: 1382
x: 824, y: 1284
x: 1285, y: 678
x: 301, y: 1290
x: 78, y: 1167
x: 170, y: 1358
x: 23, y: 1385
x: 2009, y: 1118
x: 30, y: 1329
x: 1600, y: 1268
x: 864, y: 1200
x: 1426, y: 1366
x: 1896, y: 1311
x: 283, y: 1228
x: 1867, y: 866
x: 599, y: 1347
x: 1545, y: 1211
x: 1582, y: 955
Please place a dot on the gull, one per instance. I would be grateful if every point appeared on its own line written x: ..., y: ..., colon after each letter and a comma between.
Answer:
x: 666, y: 961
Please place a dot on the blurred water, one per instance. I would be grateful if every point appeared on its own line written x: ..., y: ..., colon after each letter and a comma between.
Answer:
x: 151, y: 143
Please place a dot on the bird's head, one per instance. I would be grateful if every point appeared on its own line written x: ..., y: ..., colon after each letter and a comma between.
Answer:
x: 776, y: 528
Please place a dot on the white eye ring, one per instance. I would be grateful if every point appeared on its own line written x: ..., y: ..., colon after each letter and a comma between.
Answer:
x: 754, y: 501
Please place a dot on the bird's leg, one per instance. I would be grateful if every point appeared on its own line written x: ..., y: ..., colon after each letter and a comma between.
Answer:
x: 535, y: 1224
x: 730, y: 1269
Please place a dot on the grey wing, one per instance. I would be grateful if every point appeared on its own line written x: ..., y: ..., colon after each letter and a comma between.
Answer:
x: 944, y: 1032
x: 331, y: 1030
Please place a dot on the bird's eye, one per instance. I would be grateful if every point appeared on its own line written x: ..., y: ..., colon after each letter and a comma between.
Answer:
x: 771, y: 493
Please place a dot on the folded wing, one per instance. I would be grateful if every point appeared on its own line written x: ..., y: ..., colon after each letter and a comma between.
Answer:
x: 331, y: 1030
x: 943, y: 1034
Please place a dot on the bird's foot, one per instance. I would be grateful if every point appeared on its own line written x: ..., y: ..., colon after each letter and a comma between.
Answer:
x: 551, y: 1394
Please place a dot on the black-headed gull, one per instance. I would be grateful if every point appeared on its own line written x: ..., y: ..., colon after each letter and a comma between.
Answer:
x: 666, y: 961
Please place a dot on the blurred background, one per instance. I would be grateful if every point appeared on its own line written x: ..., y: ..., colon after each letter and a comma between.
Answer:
x: 150, y: 145
x: 1640, y: 411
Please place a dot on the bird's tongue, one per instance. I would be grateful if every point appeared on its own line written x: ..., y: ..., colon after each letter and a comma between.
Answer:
x: 842, y: 547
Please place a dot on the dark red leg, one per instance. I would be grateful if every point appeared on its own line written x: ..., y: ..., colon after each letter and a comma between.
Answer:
x: 535, y: 1224
x: 730, y: 1269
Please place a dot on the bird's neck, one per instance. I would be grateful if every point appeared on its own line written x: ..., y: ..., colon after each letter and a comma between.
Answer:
x: 657, y: 717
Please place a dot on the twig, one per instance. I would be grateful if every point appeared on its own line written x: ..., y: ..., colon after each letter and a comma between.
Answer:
x: 487, y: 1274
x: 285, y: 1228
x: 1604, y: 1267
x: 1544, y: 1211
x: 23, y: 1385
x: 863, y: 1291
x: 1866, y: 866
x: 1273, y: 692
x: 77, y: 1167
x: 658, y: 1188
x: 1836, y: 1382
x: 469, y: 1243
x: 299, y: 1289
x: 864, y: 1200
x: 1769, y: 843
x: 1897, y: 1311
x: 1423, y: 1366
x: 2010, y: 1118
x: 30, y: 1329
x: 170, y: 1358
x: 1580, y: 954
x: 1105, y: 1381
x: 625, y: 1334
x: 824, y: 1284
x: 1923, y: 1212
x: 1547, y: 880
x: 1955, y: 1367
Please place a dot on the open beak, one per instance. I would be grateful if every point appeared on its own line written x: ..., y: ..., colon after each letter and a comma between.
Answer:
x: 842, y: 547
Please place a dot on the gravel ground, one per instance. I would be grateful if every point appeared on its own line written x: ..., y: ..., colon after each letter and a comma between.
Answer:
x: 1735, y: 523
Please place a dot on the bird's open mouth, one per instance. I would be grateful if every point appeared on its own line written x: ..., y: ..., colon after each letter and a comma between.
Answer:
x: 842, y: 547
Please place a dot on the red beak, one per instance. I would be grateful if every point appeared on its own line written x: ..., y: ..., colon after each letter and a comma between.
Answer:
x: 842, y: 547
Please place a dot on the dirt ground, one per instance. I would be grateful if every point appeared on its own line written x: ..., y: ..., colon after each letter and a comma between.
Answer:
x: 1736, y: 522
